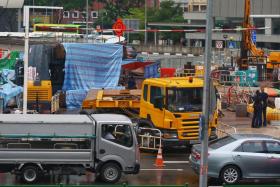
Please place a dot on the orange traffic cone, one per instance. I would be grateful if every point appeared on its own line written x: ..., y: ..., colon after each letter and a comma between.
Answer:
x: 159, y: 160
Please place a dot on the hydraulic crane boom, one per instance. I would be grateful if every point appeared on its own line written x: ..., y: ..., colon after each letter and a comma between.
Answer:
x: 247, y: 43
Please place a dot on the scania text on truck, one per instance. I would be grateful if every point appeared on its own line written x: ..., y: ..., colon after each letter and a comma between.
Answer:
x: 32, y: 146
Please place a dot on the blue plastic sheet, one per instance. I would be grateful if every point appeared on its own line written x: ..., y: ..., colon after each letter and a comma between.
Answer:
x: 8, y: 91
x: 74, y: 98
x: 90, y: 66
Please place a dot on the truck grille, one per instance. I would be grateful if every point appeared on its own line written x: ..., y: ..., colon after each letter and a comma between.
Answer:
x: 189, y: 129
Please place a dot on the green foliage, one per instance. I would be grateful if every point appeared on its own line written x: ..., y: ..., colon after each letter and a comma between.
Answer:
x: 168, y: 12
x: 111, y: 12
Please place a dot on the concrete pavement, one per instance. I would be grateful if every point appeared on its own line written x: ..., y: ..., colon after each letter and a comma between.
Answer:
x: 243, y: 125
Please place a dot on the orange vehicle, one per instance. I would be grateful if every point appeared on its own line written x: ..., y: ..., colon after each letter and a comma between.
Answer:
x: 250, y: 54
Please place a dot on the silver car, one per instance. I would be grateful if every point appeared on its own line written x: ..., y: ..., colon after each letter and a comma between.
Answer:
x: 240, y: 156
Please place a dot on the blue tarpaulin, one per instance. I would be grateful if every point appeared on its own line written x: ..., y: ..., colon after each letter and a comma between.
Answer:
x: 8, y: 90
x: 89, y: 66
x: 92, y: 65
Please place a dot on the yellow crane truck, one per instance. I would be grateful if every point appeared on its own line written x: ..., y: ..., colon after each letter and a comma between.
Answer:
x: 172, y: 105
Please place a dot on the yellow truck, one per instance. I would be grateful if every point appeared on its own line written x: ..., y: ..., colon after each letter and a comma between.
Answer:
x: 172, y: 105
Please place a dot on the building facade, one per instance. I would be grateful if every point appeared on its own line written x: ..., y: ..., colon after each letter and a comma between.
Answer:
x: 230, y: 13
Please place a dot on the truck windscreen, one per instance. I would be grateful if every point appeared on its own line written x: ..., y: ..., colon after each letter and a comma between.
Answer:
x: 184, y: 99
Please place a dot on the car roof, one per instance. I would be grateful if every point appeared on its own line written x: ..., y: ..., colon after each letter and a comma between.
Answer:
x: 251, y: 136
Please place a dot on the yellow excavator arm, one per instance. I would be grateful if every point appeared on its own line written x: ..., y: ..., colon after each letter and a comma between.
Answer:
x: 247, y: 43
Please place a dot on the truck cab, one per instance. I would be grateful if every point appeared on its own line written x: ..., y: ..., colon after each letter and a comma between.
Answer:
x: 174, y: 106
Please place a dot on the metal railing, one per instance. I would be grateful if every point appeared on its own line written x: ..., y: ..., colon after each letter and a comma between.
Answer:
x: 225, y: 130
x: 151, y: 139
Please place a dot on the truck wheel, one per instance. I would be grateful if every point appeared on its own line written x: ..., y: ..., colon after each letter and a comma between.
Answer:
x: 110, y: 173
x: 30, y: 174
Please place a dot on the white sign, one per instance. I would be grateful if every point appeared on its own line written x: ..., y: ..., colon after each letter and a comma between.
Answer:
x: 219, y: 44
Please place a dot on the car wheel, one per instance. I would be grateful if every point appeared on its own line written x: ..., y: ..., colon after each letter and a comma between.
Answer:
x: 30, y: 174
x: 110, y: 173
x: 230, y: 174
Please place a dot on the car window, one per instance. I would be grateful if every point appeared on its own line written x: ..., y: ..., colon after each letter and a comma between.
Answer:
x: 239, y: 149
x: 253, y: 147
x: 273, y: 147
x: 118, y: 133
x: 221, y: 142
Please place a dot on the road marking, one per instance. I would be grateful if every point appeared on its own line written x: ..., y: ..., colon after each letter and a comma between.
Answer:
x: 162, y: 169
x: 175, y: 162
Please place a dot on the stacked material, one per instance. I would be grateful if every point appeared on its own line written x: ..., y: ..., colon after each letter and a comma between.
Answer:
x: 90, y: 66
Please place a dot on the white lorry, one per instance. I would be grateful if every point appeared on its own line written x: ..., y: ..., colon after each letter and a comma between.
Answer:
x: 33, y: 145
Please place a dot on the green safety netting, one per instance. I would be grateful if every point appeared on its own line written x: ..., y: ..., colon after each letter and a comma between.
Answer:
x: 9, y: 62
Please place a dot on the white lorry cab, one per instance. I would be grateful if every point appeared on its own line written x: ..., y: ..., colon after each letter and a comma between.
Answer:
x: 34, y: 145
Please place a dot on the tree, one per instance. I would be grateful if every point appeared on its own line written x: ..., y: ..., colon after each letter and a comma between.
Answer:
x: 112, y: 11
x: 168, y: 12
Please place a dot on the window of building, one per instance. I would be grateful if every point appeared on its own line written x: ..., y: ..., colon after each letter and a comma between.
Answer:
x: 94, y: 14
x: 203, y: 8
x: 275, y: 25
x: 75, y: 14
x: 195, y: 8
x: 66, y: 14
x: 259, y: 22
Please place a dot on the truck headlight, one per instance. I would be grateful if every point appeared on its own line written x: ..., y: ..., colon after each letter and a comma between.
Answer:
x: 170, y: 135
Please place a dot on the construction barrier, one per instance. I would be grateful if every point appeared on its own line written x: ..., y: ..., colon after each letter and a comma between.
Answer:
x: 118, y: 185
x: 150, y: 139
x: 225, y: 130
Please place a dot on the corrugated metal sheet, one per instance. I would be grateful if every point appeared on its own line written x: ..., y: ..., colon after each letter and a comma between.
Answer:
x: 266, y: 6
x: 239, y: 8
x: 275, y: 4
x: 235, y: 8
x: 11, y: 3
x: 216, y: 8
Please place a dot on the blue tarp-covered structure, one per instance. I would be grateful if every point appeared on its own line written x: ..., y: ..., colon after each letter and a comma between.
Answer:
x: 89, y: 66
x: 8, y: 90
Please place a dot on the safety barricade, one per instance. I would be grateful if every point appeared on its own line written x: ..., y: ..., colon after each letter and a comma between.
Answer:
x: 225, y: 130
x: 150, y: 138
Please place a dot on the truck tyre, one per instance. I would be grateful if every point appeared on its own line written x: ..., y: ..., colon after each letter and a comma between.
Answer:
x: 30, y: 174
x: 110, y: 173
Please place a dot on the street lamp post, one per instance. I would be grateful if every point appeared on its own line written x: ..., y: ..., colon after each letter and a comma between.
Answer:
x: 26, y: 48
x: 206, y: 97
